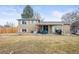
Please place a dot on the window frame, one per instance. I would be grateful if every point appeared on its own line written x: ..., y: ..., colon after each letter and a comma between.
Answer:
x: 24, y: 22
x: 24, y: 30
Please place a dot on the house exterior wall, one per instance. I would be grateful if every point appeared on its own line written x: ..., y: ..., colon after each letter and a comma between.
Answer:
x: 29, y: 26
x: 56, y: 27
x: 51, y: 28
x: 33, y: 25
x: 66, y: 29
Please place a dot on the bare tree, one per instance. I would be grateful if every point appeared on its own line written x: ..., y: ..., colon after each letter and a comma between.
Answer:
x: 38, y: 16
x: 9, y: 24
x: 71, y: 17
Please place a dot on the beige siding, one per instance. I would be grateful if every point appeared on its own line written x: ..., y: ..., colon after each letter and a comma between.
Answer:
x: 30, y: 26
x: 66, y: 29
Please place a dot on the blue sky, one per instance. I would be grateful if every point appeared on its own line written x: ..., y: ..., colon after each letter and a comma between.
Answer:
x: 9, y: 13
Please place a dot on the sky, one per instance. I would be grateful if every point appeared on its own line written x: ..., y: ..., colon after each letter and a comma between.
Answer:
x: 9, y: 13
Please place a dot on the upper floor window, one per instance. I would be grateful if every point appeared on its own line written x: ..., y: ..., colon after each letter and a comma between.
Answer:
x: 23, y: 22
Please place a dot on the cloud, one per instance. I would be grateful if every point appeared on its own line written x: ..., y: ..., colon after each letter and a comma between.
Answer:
x: 56, y: 15
x: 9, y: 14
x: 53, y: 16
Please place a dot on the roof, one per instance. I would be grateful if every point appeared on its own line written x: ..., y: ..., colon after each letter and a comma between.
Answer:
x: 28, y: 19
x: 50, y: 23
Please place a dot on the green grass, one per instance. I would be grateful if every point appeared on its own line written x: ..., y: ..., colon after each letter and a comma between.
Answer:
x: 37, y: 44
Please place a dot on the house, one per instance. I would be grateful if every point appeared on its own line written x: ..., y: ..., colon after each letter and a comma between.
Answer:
x: 32, y: 25
x: 75, y: 27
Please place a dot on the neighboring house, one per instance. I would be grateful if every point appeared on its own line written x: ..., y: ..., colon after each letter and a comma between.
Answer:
x: 75, y: 27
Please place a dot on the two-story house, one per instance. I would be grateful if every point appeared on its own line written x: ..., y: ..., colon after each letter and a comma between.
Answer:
x: 31, y: 25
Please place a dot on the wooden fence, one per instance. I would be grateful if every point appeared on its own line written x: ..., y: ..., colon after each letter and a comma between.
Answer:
x: 8, y: 30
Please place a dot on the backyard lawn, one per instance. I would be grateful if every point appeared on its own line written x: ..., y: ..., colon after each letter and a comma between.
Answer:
x: 37, y: 44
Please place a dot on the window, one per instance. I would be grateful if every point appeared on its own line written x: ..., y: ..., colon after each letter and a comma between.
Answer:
x: 24, y: 30
x: 23, y: 22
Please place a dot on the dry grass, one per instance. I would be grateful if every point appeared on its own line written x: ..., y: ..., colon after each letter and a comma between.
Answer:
x: 34, y: 44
